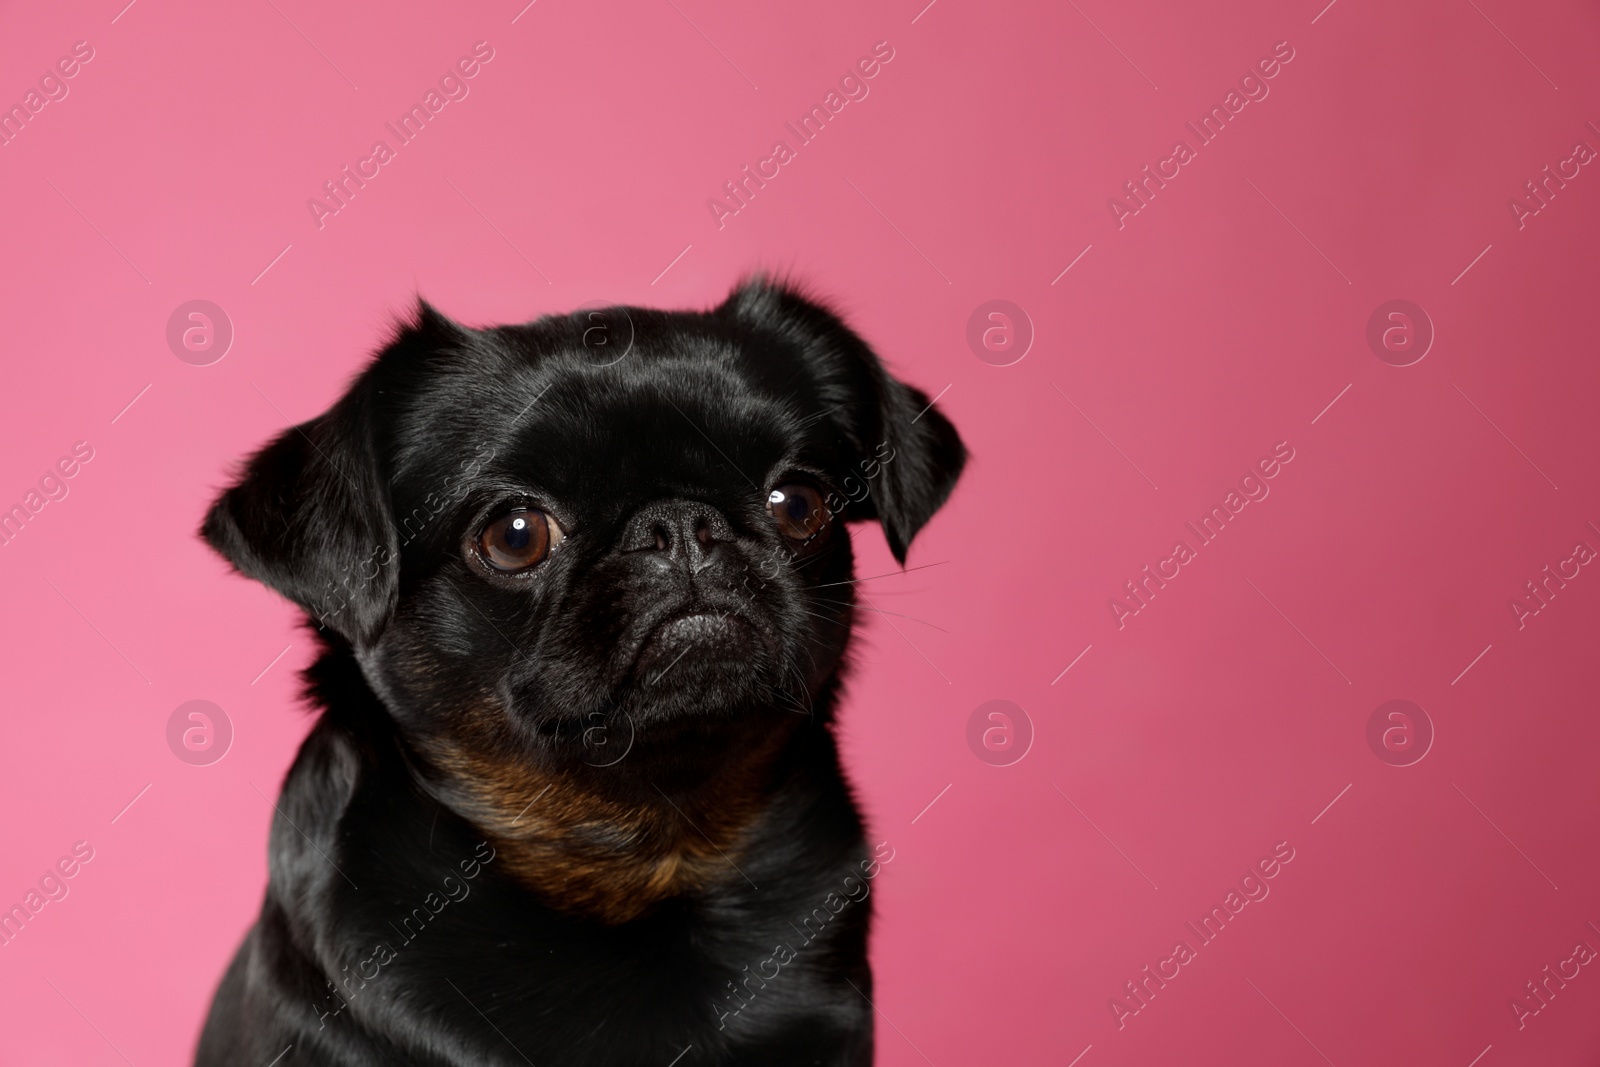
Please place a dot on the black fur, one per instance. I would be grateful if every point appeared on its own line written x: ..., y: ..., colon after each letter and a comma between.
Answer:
x: 449, y: 691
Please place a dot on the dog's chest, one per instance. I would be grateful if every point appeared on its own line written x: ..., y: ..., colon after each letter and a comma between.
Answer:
x: 742, y: 978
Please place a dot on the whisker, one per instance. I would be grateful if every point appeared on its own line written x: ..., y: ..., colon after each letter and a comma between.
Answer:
x: 880, y: 611
x: 824, y: 618
x: 826, y: 553
x: 800, y: 707
x: 800, y: 684
x: 816, y: 416
x: 911, y: 618
x: 891, y: 574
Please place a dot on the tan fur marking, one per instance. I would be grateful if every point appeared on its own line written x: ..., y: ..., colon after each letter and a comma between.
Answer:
x: 588, y: 854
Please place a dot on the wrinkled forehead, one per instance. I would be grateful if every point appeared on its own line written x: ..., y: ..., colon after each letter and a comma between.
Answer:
x: 678, y: 414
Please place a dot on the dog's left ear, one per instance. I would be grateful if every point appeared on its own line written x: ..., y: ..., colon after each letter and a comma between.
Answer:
x: 907, y: 454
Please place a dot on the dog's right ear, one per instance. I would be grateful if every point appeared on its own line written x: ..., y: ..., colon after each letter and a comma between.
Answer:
x: 310, y: 518
x: 913, y: 453
x: 311, y: 514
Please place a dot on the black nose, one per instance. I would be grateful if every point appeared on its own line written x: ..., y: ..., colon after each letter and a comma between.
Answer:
x: 683, y: 529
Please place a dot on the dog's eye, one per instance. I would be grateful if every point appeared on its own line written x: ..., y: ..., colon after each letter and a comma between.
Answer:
x: 518, y: 539
x: 798, y: 510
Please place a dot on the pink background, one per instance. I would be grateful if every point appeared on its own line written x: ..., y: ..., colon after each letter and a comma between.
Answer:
x: 1222, y: 319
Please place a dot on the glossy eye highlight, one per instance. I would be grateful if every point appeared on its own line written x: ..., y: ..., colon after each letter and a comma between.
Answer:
x: 798, y: 510
x: 518, y: 540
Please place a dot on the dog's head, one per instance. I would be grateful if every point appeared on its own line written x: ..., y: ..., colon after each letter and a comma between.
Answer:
x: 530, y: 533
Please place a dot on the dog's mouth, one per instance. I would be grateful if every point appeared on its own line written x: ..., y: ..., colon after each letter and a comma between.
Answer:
x: 692, y: 640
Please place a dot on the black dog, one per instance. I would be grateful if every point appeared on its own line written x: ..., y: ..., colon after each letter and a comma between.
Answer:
x: 584, y: 593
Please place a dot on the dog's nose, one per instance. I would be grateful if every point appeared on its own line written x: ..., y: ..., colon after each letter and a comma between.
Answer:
x: 684, y: 529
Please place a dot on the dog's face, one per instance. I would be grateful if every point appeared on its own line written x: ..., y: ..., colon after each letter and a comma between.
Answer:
x: 606, y: 540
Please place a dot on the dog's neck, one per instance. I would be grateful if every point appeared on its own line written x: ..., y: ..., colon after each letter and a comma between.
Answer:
x: 612, y: 850
x: 606, y: 843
